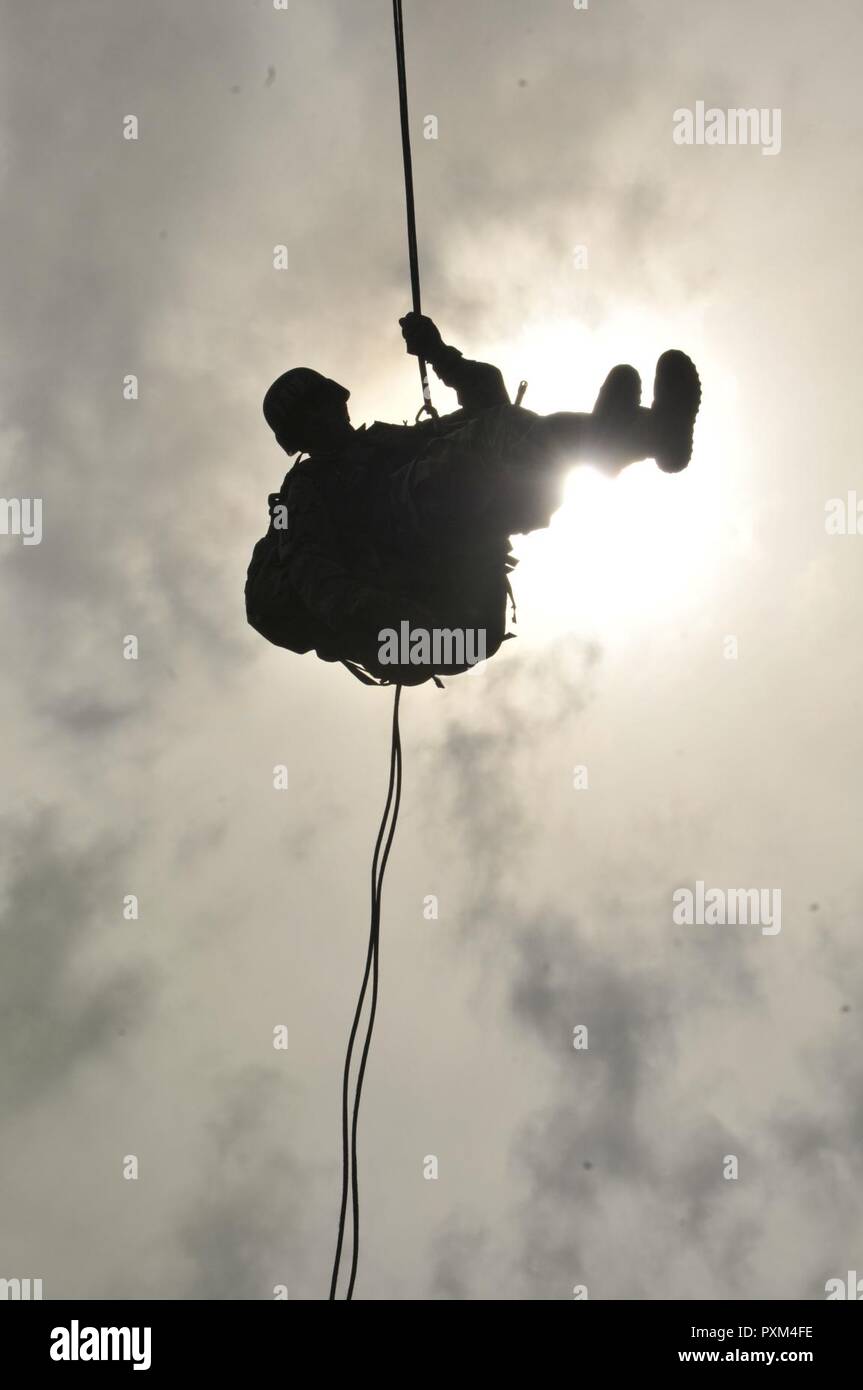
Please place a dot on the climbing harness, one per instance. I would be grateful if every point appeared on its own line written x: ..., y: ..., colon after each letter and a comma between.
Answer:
x: 366, y: 678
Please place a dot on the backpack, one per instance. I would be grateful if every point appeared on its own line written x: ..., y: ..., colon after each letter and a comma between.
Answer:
x: 464, y: 593
x: 273, y: 607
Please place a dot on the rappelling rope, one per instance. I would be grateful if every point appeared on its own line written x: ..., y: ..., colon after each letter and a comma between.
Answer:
x: 413, y: 253
x: 349, y: 1140
x: 394, y: 791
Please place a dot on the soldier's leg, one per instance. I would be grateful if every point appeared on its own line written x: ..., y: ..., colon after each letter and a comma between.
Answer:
x: 620, y: 431
x: 503, y: 472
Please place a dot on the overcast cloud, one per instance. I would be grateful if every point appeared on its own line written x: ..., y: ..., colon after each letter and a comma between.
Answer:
x: 154, y: 778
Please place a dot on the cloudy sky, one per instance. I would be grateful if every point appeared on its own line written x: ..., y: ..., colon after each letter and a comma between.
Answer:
x: 693, y: 642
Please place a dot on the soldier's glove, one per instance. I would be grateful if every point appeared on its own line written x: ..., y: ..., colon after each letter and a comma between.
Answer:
x: 421, y: 336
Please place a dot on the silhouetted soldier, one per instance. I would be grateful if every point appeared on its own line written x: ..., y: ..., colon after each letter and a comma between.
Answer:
x: 410, y: 523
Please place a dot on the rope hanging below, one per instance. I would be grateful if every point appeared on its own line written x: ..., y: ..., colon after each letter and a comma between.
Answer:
x: 349, y: 1142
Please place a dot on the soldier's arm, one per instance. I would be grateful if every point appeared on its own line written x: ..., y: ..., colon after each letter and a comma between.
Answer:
x: 478, y: 385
